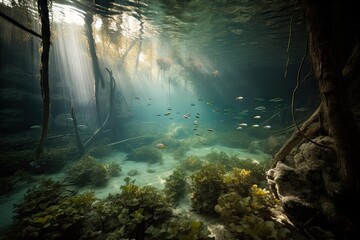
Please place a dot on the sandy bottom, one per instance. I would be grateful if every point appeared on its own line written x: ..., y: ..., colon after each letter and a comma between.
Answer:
x: 156, y: 178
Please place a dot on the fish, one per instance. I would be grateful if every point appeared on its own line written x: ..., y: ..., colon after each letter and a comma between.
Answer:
x: 197, y: 134
x: 82, y: 126
x: 255, y: 125
x: 186, y: 116
x: 158, y: 115
x: 267, y: 127
x: 211, y: 130
x: 260, y: 108
x: 215, y: 73
x: 69, y: 119
x: 169, y: 109
x: 161, y: 146
x: 35, y: 127
x: 259, y: 99
x: 245, y: 112
x: 177, y: 112
x: 197, y: 116
x: 192, y: 105
x: 209, y: 103
x: 277, y: 99
x: 196, y: 122
x: 257, y: 117
x: 137, y: 98
x: 239, y: 98
x: 195, y: 129
x: 301, y: 109
x: 243, y: 124
x: 167, y: 114
x: 197, y: 113
x: 200, y: 99
x: 238, y: 128
x: 216, y: 110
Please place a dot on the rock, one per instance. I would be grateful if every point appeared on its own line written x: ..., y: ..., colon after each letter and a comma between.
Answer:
x: 133, y: 172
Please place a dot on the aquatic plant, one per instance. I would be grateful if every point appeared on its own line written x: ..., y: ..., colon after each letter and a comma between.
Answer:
x: 218, y: 158
x: 182, y: 228
x: 257, y: 228
x: 113, y: 169
x: 175, y: 185
x: 206, y: 187
x: 131, y: 212
x: 145, y: 154
x: 89, y: 172
x: 191, y: 163
x: 47, y: 193
x: 180, y: 152
x: 58, y: 221
x: 238, y: 180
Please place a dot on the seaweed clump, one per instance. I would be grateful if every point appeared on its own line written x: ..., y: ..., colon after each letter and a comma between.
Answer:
x: 191, y: 163
x: 175, y: 185
x: 145, y: 154
x: 51, y: 211
x: 206, y: 187
x: 89, y: 172
x: 141, y: 213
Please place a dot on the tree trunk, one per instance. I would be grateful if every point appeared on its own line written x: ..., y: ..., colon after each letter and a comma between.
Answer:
x: 333, y: 88
x: 44, y: 74
x: 96, y: 69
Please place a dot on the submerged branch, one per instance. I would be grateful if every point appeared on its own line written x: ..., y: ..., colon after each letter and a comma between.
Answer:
x: 19, y: 25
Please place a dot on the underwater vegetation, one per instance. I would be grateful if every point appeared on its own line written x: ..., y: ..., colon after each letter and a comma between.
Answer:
x: 90, y: 172
x: 191, y: 163
x: 51, y: 211
x: 146, y: 154
x: 175, y: 185
x: 234, y: 195
x: 206, y: 186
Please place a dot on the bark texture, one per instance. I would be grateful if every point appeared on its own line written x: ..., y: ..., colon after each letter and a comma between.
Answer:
x: 44, y: 74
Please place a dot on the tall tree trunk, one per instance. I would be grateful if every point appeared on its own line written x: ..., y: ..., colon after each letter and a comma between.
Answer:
x: 333, y: 88
x: 96, y: 69
x: 44, y: 74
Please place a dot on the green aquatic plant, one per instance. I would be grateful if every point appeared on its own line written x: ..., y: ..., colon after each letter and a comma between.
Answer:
x: 206, y: 187
x: 180, y: 152
x: 191, y: 163
x: 238, y: 180
x: 58, y: 221
x: 175, y: 185
x: 90, y: 172
x: 257, y: 229
x: 218, y: 158
x: 147, y: 154
x: 182, y: 228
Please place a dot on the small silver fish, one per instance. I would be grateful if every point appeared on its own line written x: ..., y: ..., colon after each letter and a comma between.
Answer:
x: 267, y: 127
x: 239, y: 98
x: 211, y: 130
x: 238, y: 128
x: 243, y: 124
x: 257, y: 117
x: 277, y: 99
x: 255, y: 126
x: 259, y: 108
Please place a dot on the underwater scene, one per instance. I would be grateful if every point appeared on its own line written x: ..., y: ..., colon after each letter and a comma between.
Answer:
x: 176, y: 119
